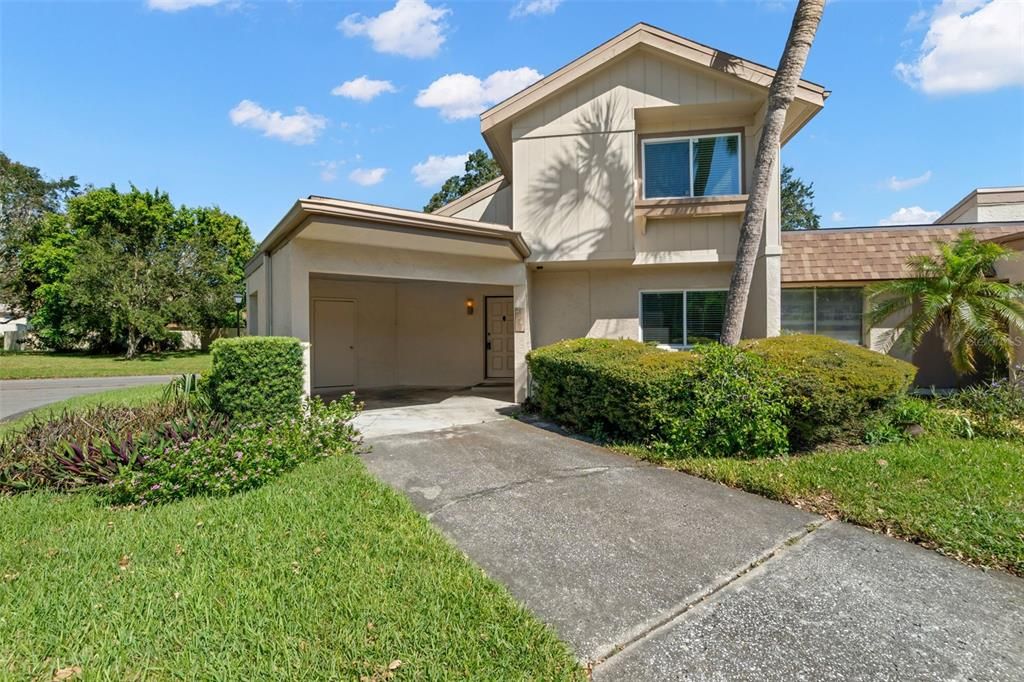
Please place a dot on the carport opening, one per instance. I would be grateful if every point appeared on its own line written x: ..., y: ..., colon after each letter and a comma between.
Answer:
x: 370, y: 334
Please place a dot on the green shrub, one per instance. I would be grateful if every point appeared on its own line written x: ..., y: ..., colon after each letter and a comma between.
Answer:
x: 241, y: 458
x: 994, y: 410
x: 604, y: 388
x: 256, y: 377
x: 894, y: 423
x: 831, y: 387
x: 734, y: 407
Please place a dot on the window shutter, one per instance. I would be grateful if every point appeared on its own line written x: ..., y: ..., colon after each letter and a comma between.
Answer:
x: 705, y: 314
x: 666, y: 169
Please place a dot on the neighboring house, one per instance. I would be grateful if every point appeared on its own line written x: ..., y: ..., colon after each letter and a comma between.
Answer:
x: 625, y: 181
x: 14, y: 328
x: 825, y: 273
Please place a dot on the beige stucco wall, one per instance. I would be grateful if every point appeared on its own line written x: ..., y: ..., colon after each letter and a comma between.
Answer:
x: 496, y: 208
x: 604, y: 302
x: 295, y: 263
x: 1012, y: 270
x: 413, y: 333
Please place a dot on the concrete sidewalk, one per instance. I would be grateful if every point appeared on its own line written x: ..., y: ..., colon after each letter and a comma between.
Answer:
x: 652, y: 574
x: 22, y: 395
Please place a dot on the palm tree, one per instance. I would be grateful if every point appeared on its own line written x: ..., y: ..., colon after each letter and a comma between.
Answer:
x: 953, y: 292
x: 780, y: 95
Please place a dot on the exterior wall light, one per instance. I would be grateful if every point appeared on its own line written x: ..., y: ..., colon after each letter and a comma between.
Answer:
x: 470, y: 306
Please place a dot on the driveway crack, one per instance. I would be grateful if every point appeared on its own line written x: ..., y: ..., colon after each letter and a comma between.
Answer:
x: 554, y: 475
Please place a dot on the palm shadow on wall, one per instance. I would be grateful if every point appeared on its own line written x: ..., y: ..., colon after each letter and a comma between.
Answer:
x: 594, y: 171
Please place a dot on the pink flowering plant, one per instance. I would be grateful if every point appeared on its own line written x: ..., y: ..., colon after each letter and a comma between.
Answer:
x: 241, y: 458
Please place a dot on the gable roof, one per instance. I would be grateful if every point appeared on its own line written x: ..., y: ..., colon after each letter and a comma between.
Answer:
x: 485, y: 190
x: 870, y: 254
x: 495, y: 122
x: 982, y: 196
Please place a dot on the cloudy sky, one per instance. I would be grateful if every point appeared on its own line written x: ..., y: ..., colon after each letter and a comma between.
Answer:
x: 250, y: 105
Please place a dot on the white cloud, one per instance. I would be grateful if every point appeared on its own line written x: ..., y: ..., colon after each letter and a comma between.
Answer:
x: 367, y: 176
x: 527, y: 7
x: 411, y: 28
x: 363, y: 89
x: 912, y: 215
x: 971, y: 46
x: 301, y: 127
x: 437, y: 169
x: 179, y: 5
x: 838, y: 217
x: 329, y: 170
x: 460, y: 95
x: 898, y: 185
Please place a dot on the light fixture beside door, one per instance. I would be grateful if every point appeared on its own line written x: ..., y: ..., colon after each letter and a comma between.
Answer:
x: 470, y: 306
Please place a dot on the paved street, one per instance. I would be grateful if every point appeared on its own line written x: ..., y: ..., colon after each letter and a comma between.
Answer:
x: 17, y: 396
x: 650, y: 574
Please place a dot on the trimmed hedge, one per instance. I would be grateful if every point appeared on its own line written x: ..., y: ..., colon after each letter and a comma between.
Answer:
x: 831, y: 386
x: 621, y: 390
x: 809, y: 389
x: 256, y: 377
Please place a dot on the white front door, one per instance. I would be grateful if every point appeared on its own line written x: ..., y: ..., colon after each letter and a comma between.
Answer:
x: 500, y: 344
x: 334, y: 343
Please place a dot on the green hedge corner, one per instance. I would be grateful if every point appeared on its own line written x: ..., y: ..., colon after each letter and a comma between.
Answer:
x: 256, y: 377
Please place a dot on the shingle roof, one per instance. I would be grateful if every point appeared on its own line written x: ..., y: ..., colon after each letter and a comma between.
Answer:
x: 866, y: 254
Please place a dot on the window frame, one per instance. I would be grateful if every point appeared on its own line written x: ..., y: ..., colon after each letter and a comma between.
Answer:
x: 686, y: 305
x: 689, y: 137
x: 814, y: 309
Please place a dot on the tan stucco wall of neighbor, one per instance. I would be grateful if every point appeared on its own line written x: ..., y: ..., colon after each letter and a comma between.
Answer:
x: 1012, y: 269
x: 604, y: 302
x: 413, y: 333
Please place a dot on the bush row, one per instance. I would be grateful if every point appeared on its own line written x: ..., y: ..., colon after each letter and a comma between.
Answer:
x: 790, y: 392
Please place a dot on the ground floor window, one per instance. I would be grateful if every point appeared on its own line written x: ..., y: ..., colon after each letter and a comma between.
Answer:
x: 681, y: 318
x: 834, y: 312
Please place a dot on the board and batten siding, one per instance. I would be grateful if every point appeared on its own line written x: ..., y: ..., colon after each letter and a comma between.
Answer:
x: 576, y: 162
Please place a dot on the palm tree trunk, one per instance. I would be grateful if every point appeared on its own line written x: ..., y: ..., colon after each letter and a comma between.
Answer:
x: 780, y: 95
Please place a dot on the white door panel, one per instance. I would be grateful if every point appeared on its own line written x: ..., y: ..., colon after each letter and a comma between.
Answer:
x: 334, y: 343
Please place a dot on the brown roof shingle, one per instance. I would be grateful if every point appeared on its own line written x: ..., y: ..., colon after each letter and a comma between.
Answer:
x: 865, y: 254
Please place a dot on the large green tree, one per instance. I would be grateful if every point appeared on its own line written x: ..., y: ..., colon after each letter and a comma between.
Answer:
x: 480, y: 169
x: 798, y: 203
x: 26, y: 200
x: 112, y: 269
x: 954, y: 292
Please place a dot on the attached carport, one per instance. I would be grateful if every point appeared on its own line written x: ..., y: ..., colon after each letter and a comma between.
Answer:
x: 389, y: 297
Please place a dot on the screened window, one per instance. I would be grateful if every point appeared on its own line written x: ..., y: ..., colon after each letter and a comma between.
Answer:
x: 837, y: 313
x: 691, y: 166
x: 682, y: 318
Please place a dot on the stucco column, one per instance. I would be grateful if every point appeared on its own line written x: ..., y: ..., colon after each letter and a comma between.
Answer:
x: 300, y: 303
x: 523, y: 336
x: 307, y: 371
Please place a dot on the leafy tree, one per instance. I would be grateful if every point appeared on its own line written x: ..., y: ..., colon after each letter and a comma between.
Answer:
x: 798, y: 203
x: 780, y: 95
x: 26, y: 198
x: 480, y: 169
x: 953, y: 292
x: 130, y: 265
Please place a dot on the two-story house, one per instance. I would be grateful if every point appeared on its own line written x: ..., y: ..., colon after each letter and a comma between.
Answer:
x: 618, y: 214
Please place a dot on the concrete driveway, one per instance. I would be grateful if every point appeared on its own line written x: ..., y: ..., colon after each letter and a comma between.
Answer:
x: 650, y: 574
x: 21, y: 395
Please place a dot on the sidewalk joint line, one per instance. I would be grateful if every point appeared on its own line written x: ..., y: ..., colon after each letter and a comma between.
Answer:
x: 682, y: 609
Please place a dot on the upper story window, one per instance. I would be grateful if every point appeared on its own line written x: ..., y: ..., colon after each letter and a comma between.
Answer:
x: 834, y: 312
x: 699, y: 166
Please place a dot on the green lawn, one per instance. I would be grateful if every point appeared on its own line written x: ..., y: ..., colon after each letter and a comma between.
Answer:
x: 323, y: 574
x: 133, y: 395
x: 41, y: 365
x: 963, y: 498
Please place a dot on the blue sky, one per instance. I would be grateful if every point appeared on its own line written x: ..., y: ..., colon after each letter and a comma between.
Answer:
x: 231, y: 103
